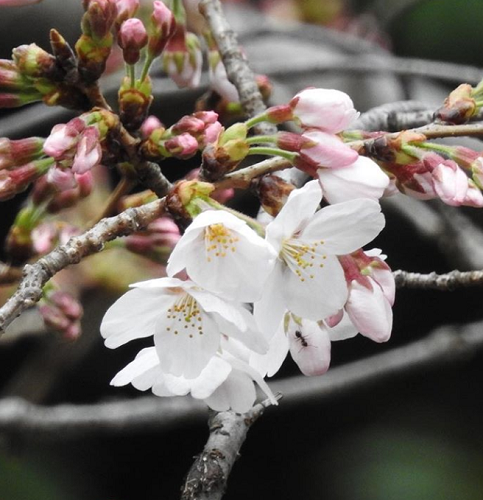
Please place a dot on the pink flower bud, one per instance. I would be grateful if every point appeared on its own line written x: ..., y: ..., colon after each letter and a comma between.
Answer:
x: 89, y: 151
x: 99, y: 18
x: 328, y: 110
x: 450, y: 183
x: 182, y: 146
x: 67, y: 304
x: 161, y: 28
x: 62, y: 178
x: 63, y: 139
x: 150, y: 124
x: 132, y: 38
x: 18, y: 152
x: 125, y: 10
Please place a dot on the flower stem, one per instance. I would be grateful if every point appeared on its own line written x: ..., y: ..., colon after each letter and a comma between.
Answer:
x: 262, y: 150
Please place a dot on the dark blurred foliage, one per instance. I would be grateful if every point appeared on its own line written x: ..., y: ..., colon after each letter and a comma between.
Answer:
x: 408, y: 437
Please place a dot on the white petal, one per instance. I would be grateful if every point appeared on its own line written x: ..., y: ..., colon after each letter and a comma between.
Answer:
x: 144, y: 361
x: 300, y: 207
x: 318, y: 292
x: 269, y: 364
x: 177, y: 258
x: 237, y: 393
x: 345, y: 227
x: 269, y: 310
x: 343, y: 330
x: 210, y: 378
x: 184, y: 344
x: 362, y: 179
x: 310, y: 347
x: 370, y: 311
x: 133, y: 316
x: 148, y: 379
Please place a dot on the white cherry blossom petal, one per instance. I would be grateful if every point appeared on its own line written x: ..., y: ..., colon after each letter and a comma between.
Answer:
x: 318, y: 289
x: 146, y: 360
x: 215, y: 374
x: 362, y: 179
x: 345, y: 227
x: 222, y: 254
x: 300, y: 207
x: 237, y: 393
x: 186, y: 338
x: 133, y: 316
x: 268, y: 364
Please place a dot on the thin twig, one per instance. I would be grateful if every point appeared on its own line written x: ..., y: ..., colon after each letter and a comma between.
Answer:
x: 35, y: 276
x: 449, y: 343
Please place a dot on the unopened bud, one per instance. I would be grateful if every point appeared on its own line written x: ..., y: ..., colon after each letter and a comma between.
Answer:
x: 459, y: 106
x: 149, y: 125
x: 19, y: 152
x: 182, y: 146
x: 134, y: 102
x: 126, y: 9
x: 33, y: 61
x: 161, y: 27
x: 132, y: 38
x: 180, y: 202
x: 272, y: 192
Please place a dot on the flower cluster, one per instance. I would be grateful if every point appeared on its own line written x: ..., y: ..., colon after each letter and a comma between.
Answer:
x: 206, y: 339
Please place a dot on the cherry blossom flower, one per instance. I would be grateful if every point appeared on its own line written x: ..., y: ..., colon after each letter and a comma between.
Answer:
x: 225, y: 383
x: 187, y: 323
x: 222, y: 254
x: 329, y: 110
x: 361, y: 179
x: 307, y: 278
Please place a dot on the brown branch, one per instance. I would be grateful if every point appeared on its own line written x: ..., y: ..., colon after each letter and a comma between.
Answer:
x: 35, y: 276
x: 208, y: 476
x: 236, y: 63
x: 444, y: 282
x: 449, y: 343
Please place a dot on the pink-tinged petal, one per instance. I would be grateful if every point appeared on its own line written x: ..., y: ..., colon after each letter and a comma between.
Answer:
x: 317, y: 293
x: 343, y: 330
x: 145, y: 361
x: 133, y: 316
x: 328, y: 151
x: 215, y: 374
x: 268, y: 364
x: 370, y: 311
x: 345, y: 227
x: 335, y: 319
x: 362, y: 179
x: 326, y: 109
x: 450, y: 183
x: 300, y: 207
x: 385, y: 279
x: 185, y: 344
x: 310, y: 347
x: 236, y: 393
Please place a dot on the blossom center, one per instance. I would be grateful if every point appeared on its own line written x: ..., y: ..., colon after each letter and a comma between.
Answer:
x: 184, y: 316
x: 302, y: 257
x: 218, y: 241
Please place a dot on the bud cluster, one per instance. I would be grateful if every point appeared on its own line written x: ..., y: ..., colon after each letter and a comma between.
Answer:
x: 62, y: 313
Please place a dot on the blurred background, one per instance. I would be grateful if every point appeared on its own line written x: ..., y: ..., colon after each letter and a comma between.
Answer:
x: 409, y: 436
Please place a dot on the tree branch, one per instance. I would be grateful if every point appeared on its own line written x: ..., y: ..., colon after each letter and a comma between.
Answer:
x: 236, y: 64
x: 208, y: 476
x: 448, y: 343
x: 35, y: 276
x: 443, y: 282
